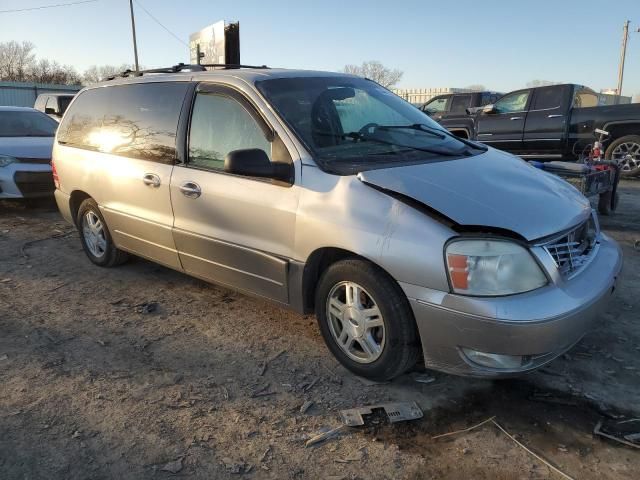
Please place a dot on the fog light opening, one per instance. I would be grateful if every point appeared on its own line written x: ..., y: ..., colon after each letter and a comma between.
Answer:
x: 495, y: 360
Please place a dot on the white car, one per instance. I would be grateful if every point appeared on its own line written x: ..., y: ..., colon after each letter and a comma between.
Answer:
x: 26, y: 141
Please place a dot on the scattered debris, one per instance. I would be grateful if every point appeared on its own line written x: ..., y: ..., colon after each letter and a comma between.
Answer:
x: 325, y: 436
x: 395, y: 412
x: 367, y: 382
x: 311, y: 385
x: 58, y: 287
x: 356, y: 456
x: 264, y: 455
x: 173, y: 467
x: 4, y: 358
x: 306, y: 406
x: 626, y: 432
x: 5, y: 280
x: 263, y: 365
x: 262, y: 391
x: 147, y: 307
x: 76, y: 434
x: 464, y: 430
x: 521, y: 445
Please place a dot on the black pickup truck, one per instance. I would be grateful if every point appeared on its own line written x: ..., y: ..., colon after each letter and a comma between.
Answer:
x: 559, y: 122
x: 455, y: 110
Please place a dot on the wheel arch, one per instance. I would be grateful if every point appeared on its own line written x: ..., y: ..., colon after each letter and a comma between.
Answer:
x: 75, y: 200
x: 622, y: 128
x: 317, y: 262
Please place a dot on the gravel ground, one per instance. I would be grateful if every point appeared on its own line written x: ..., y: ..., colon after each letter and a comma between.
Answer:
x: 142, y: 372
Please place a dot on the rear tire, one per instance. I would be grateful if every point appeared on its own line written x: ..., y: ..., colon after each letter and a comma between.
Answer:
x: 381, y: 345
x: 620, y: 149
x: 95, y: 237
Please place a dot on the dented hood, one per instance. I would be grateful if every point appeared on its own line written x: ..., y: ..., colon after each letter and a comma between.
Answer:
x: 494, y: 189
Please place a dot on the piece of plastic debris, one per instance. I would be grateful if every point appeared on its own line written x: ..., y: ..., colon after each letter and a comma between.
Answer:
x: 395, y: 412
x: 324, y: 436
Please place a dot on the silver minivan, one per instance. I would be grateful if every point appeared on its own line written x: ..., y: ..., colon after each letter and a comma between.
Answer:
x: 326, y: 192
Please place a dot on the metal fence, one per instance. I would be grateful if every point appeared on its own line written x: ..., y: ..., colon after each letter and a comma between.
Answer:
x: 418, y: 96
x: 23, y: 94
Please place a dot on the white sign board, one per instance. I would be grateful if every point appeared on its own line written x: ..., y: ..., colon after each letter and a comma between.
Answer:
x: 211, y: 41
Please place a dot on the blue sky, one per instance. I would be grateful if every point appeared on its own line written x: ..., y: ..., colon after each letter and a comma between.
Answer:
x: 501, y: 44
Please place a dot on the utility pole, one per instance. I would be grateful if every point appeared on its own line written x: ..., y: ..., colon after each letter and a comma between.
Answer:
x: 623, y: 54
x: 133, y: 30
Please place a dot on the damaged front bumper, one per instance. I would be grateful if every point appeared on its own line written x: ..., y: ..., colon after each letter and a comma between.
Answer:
x: 503, y: 336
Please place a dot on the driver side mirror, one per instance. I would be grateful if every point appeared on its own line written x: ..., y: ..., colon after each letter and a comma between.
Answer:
x: 254, y: 162
x: 489, y: 109
x: 430, y: 111
x: 51, y: 111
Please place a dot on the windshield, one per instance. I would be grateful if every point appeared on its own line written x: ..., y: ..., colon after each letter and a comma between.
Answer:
x: 347, y: 121
x: 26, y: 124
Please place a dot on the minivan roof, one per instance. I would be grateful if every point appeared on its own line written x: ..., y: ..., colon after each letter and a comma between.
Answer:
x: 249, y: 75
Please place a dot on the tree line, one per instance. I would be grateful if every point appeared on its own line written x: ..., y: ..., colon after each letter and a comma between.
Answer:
x: 19, y: 63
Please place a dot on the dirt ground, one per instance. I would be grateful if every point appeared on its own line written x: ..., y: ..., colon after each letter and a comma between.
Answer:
x: 97, y: 383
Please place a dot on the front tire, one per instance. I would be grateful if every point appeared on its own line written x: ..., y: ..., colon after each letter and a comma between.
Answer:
x: 95, y: 237
x: 366, y: 321
x: 626, y: 150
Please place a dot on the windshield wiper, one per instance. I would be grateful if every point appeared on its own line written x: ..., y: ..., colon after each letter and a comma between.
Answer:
x: 421, y: 127
x: 362, y: 137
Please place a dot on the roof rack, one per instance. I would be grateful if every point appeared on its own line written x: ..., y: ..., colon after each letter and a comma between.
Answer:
x: 180, y: 67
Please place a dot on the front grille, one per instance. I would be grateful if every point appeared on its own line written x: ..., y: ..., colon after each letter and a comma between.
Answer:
x: 574, y: 250
x: 34, y: 184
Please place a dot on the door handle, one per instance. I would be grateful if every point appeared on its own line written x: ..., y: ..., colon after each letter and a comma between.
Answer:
x: 190, y: 189
x: 554, y: 115
x: 151, y: 179
x: 515, y: 118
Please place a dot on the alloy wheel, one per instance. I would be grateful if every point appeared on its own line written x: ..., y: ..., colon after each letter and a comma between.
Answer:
x: 628, y: 154
x: 355, y: 322
x: 94, y: 234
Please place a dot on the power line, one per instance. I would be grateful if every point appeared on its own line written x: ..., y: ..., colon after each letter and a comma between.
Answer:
x: 47, y: 6
x: 160, y: 23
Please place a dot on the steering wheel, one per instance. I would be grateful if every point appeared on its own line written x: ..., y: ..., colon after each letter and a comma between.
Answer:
x: 366, y: 129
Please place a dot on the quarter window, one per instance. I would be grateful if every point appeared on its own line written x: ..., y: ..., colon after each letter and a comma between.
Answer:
x: 219, y: 125
x: 138, y: 120
x: 514, y: 102
x: 585, y: 97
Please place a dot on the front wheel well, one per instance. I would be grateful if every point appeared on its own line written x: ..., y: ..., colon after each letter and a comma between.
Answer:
x: 75, y: 200
x: 317, y: 263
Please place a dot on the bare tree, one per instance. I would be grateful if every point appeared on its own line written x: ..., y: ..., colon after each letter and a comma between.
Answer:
x: 477, y: 87
x: 541, y: 83
x: 18, y: 63
x: 46, y: 71
x: 377, y: 72
x: 15, y: 60
x: 97, y: 73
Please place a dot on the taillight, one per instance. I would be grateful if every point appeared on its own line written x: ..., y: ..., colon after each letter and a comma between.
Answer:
x: 56, y: 182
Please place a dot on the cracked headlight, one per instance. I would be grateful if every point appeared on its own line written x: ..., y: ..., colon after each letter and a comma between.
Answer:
x: 492, y: 267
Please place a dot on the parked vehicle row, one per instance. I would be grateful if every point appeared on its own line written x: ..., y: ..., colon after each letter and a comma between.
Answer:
x: 26, y: 140
x: 554, y: 122
x: 325, y: 192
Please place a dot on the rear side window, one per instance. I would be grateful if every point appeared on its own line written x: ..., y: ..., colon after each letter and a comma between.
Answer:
x: 459, y: 103
x: 548, y: 98
x: 585, y: 97
x: 52, y: 104
x: 137, y: 121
